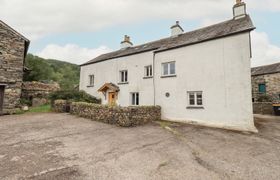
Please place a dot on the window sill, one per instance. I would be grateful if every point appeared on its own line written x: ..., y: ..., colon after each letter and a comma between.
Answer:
x: 195, y: 107
x: 122, y: 83
x: 90, y: 86
x: 168, y: 76
x: 148, y: 77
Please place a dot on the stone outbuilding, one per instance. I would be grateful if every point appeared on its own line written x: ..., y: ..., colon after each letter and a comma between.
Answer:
x: 266, y: 82
x: 37, y: 92
x: 13, y: 50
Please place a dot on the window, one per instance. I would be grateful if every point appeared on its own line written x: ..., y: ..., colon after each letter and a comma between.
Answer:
x: 195, y: 98
x: 91, y: 80
x: 148, y: 71
x: 134, y: 99
x: 262, y: 88
x: 123, y: 76
x: 168, y: 69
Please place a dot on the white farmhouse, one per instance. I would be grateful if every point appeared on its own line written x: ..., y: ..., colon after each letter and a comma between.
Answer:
x: 201, y: 77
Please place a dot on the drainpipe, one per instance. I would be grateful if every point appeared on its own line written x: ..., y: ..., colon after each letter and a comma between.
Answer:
x: 154, y: 88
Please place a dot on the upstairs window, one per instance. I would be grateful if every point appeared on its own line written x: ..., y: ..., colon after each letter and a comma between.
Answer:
x: 135, y: 99
x: 123, y: 76
x: 195, y: 99
x: 148, y: 71
x: 91, y: 80
x: 262, y: 88
x: 168, y: 69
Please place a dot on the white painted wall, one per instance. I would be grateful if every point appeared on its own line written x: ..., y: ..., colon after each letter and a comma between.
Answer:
x: 108, y: 71
x: 220, y: 68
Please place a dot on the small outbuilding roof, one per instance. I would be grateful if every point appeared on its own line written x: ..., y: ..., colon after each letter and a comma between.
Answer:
x: 267, y: 69
x: 220, y: 30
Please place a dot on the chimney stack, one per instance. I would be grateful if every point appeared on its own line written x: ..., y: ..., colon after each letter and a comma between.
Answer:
x: 176, y: 29
x: 126, y: 42
x: 239, y: 9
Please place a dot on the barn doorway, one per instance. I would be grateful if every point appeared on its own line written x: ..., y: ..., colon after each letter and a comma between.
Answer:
x: 2, y: 89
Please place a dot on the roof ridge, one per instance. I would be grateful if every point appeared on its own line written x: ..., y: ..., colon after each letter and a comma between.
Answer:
x: 14, y: 31
x: 214, y: 31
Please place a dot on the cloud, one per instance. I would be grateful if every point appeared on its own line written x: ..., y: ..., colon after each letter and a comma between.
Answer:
x: 264, y: 52
x: 71, y: 53
x: 38, y: 18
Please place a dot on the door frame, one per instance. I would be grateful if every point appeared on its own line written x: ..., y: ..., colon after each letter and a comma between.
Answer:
x: 110, y: 102
x: 2, y: 95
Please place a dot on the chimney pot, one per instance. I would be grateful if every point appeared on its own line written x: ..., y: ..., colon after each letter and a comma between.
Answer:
x: 239, y: 9
x: 126, y: 42
x: 176, y: 29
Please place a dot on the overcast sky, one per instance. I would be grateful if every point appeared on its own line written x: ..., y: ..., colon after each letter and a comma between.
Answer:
x: 79, y: 30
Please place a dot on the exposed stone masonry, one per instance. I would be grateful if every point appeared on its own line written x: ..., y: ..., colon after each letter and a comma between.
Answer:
x: 122, y: 116
x: 12, y: 50
x: 272, y: 82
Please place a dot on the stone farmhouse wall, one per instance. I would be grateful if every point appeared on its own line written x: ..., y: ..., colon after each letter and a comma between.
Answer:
x: 12, y: 50
x: 122, y: 116
x: 263, y: 108
x: 272, y: 82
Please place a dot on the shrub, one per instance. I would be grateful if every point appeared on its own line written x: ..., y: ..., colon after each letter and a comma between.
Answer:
x: 24, y: 101
x: 73, y: 96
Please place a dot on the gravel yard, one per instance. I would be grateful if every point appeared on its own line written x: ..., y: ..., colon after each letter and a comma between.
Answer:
x: 61, y: 146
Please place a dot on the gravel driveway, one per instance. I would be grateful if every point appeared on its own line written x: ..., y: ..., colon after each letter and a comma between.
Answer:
x: 61, y: 146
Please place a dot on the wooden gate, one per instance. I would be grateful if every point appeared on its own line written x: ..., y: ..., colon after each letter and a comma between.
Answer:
x: 2, y: 89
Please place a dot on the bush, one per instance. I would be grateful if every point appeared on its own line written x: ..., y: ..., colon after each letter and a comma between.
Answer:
x: 24, y: 101
x: 73, y: 96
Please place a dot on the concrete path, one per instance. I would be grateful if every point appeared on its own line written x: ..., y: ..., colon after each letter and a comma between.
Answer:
x: 61, y: 146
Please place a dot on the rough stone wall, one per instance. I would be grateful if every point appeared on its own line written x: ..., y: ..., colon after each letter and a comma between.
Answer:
x: 263, y: 108
x: 59, y: 106
x: 122, y: 116
x: 272, y: 82
x: 11, y: 67
x: 38, y: 92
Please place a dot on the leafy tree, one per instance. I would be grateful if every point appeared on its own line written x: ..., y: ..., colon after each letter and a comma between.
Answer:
x: 48, y: 70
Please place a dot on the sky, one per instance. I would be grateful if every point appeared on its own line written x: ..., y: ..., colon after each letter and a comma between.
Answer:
x: 76, y: 31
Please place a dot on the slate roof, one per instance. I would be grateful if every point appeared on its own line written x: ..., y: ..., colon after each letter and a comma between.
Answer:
x: 223, y: 29
x: 27, y: 42
x: 267, y: 69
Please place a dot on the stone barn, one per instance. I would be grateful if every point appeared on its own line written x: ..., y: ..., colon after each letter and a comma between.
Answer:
x: 13, y: 49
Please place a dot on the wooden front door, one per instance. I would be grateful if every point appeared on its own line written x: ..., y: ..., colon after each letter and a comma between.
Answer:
x: 112, y: 98
x: 2, y: 88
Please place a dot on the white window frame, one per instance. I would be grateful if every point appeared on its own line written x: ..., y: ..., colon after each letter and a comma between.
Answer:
x: 91, y: 80
x: 168, y: 68
x: 133, y: 99
x: 148, y: 71
x: 196, y: 93
x: 125, y: 78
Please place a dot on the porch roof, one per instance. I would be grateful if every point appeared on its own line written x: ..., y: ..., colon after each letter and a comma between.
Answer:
x: 110, y: 86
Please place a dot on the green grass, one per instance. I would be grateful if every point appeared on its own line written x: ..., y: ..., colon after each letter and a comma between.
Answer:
x: 40, y: 109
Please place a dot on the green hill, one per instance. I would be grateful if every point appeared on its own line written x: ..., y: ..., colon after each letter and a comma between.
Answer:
x: 48, y: 70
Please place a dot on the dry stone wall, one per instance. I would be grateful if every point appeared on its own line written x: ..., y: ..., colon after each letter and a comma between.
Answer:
x: 263, y: 108
x: 122, y: 116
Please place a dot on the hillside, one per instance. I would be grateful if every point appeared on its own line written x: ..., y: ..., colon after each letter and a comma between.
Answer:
x: 47, y: 70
